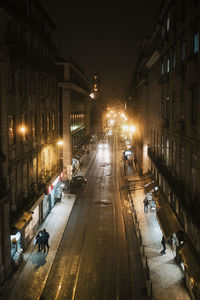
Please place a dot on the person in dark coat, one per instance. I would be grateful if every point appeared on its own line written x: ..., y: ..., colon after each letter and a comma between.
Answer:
x: 39, y: 241
x: 135, y: 160
x: 163, y: 242
x: 146, y: 204
x: 45, y: 239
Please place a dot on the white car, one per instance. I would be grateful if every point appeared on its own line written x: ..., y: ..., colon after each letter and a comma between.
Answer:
x: 103, y: 145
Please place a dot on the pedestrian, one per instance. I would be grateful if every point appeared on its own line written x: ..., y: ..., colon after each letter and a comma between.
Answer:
x: 146, y: 204
x: 39, y: 241
x: 45, y: 239
x: 135, y: 160
x: 163, y: 242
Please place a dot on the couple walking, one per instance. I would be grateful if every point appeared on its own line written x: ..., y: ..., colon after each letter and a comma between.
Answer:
x: 42, y: 239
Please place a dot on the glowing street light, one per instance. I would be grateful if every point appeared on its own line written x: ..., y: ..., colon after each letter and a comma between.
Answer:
x: 60, y: 143
x: 132, y: 129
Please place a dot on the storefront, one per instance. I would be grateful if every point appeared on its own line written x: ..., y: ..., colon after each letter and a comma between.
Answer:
x: 54, y: 191
x: 16, y: 248
x: 169, y: 224
x: 19, y: 238
x: 191, y: 266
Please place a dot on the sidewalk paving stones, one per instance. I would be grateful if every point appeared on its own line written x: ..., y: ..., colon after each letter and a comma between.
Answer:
x: 38, y: 264
x: 166, y: 276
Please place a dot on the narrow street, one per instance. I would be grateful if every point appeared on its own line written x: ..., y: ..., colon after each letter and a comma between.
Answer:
x: 98, y: 256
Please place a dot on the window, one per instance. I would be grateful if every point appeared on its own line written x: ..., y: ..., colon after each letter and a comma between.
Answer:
x: 11, y: 130
x: 162, y: 68
x: 53, y: 120
x: 196, y: 43
x: 34, y: 125
x: 168, y: 65
x: 168, y: 22
x: 193, y: 172
x: 174, y: 105
x: 23, y: 127
x: 162, y: 145
x: 174, y: 58
x: 194, y: 105
x: 173, y: 154
x: 183, y: 162
x: 42, y: 123
x: 183, y: 47
x: 167, y: 152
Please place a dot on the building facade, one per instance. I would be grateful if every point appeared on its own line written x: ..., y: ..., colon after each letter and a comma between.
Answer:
x: 74, y: 91
x: 164, y: 97
x: 29, y: 126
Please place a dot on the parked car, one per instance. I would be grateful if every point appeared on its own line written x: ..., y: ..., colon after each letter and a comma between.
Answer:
x: 77, y: 181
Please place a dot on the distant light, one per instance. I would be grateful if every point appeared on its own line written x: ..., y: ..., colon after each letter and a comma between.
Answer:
x: 132, y: 129
x: 108, y: 115
x: 92, y: 95
x: 22, y: 129
x: 60, y: 143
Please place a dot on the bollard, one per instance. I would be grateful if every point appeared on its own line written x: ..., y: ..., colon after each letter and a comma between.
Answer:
x: 147, y: 273
x: 151, y: 289
x: 140, y: 238
x: 143, y: 250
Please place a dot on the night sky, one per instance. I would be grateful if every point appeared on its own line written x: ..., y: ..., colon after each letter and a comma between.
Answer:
x: 103, y: 38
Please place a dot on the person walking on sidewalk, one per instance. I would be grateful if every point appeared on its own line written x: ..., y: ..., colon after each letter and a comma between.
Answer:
x: 39, y: 241
x: 135, y: 160
x: 146, y: 204
x: 45, y: 239
x: 163, y: 242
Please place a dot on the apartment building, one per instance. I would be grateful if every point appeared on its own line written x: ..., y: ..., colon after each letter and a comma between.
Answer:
x: 30, y: 169
x: 74, y: 89
x: 164, y: 97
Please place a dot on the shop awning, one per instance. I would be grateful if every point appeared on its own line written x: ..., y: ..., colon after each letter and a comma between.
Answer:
x: 150, y: 187
x: 168, y: 221
x: 23, y: 221
x: 146, y: 174
x: 148, y: 180
x: 191, y: 261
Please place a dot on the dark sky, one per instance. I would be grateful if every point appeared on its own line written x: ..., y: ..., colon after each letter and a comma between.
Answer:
x: 103, y: 38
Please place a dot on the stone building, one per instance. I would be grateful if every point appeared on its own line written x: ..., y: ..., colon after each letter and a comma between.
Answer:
x: 164, y: 96
x: 74, y: 89
x: 30, y: 169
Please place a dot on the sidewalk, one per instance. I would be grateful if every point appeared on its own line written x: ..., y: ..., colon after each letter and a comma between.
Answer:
x: 36, y: 265
x: 165, y: 275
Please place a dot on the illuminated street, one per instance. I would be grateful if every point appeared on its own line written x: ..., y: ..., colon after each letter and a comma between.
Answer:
x: 98, y: 257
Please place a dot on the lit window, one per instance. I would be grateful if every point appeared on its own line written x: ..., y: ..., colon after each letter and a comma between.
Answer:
x: 11, y: 130
x: 168, y: 22
x: 168, y: 65
x: 53, y: 120
x: 23, y: 127
x: 196, y: 43
x: 162, y: 68
x: 167, y: 152
x: 174, y: 58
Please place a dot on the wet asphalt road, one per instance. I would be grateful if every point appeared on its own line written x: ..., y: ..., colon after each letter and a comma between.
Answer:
x: 98, y: 257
